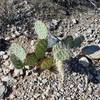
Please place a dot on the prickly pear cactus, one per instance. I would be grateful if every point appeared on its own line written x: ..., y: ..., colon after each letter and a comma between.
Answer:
x: 31, y: 59
x: 68, y: 41
x: 41, y: 29
x: 47, y: 63
x: 18, y: 51
x: 41, y: 48
x: 17, y: 54
x: 60, y: 52
x: 78, y: 40
x: 16, y: 61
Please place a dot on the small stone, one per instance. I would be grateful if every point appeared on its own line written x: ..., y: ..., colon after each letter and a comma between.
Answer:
x: 68, y: 98
x: 27, y: 67
x: 13, y: 35
x: 36, y: 95
x: 17, y: 33
x: 55, y: 22
x: 84, y: 61
x: 18, y: 72
x: 7, y: 38
x: 92, y: 51
x: 6, y: 63
x: 32, y: 42
x: 74, y: 21
x: 44, y: 81
x: 11, y: 66
x: 89, y: 31
x: 11, y: 96
x: 2, y: 53
x: 5, y: 71
x: 5, y: 57
x: 7, y: 78
x: 2, y: 90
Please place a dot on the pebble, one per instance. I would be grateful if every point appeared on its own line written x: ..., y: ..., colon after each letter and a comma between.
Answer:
x: 89, y: 31
x: 55, y: 22
x: 17, y: 33
x: 5, y: 57
x: 68, y: 98
x: 11, y: 66
x: 11, y: 97
x: 2, y: 90
x: 92, y: 51
x: 6, y: 63
x: 18, y: 72
x: 5, y: 71
x: 27, y: 67
x: 2, y: 53
x: 13, y: 35
x: 7, y: 79
x: 36, y: 95
x: 32, y: 42
x: 7, y: 38
x: 84, y: 61
x: 74, y: 21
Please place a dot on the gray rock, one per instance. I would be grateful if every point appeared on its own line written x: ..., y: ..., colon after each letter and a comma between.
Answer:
x: 7, y: 79
x: 2, y: 53
x: 5, y: 57
x: 2, y: 90
x: 84, y: 61
x: 92, y: 51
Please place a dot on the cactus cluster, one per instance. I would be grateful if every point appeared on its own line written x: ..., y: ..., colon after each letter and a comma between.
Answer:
x: 60, y: 50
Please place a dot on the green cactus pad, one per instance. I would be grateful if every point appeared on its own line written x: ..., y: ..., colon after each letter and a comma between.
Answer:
x: 60, y: 52
x: 31, y: 59
x: 78, y: 41
x: 17, y: 55
x: 18, y: 51
x: 16, y: 61
x: 47, y: 63
x: 68, y: 41
x: 41, y: 29
x: 41, y: 48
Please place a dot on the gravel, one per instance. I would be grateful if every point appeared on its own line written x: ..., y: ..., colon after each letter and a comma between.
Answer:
x: 81, y: 80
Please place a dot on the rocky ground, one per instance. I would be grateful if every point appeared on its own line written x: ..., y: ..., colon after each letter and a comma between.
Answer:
x: 81, y: 80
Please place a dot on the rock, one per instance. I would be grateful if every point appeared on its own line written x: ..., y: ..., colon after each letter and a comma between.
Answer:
x: 68, y: 98
x: 7, y: 38
x: 32, y: 42
x: 36, y: 95
x: 7, y: 79
x: 89, y: 30
x: 27, y: 67
x: 5, y: 57
x: 55, y: 22
x: 74, y: 21
x: 4, y: 44
x: 92, y: 51
x: 2, y: 90
x: 52, y: 40
x: 11, y: 97
x: 5, y: 70
x: 11, y: 66
x: 13, y: 35
x: 2, y: 53
x: 18, y: 72
x: 84, y: 61
x: 17, y: 33
x: 6, y: 63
